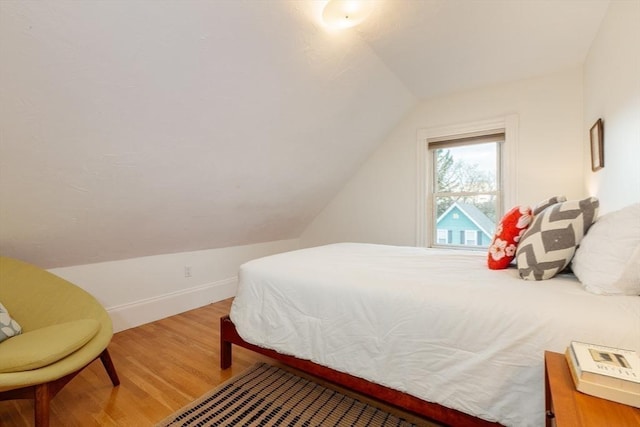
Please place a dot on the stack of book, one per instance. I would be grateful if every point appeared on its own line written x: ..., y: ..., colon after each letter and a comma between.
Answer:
x: 609, y: 373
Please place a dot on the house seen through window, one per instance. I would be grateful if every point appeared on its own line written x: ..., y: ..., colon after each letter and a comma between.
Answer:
x: 465, y: 194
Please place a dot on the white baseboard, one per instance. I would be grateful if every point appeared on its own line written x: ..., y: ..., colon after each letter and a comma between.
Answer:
x: 138, y: 313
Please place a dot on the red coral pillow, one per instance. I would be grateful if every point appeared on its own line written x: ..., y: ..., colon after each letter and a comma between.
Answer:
x: 512, y: 226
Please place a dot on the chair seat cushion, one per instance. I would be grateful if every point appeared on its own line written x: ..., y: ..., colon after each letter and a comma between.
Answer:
x: 41, y: 347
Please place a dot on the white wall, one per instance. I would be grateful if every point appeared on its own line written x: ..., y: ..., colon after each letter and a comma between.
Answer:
x: 137, y: 128
x: 140, y: 290
x: 612, y: 92
x: 379, y: 203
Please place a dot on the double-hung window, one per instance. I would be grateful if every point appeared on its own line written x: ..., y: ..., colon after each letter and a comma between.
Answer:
x: 470, y: 237
x: 465, y: 192
x: 466, y: 175
x: 443, y: 236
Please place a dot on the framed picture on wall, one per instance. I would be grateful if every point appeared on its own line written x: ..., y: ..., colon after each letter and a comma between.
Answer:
x: 597, y: 146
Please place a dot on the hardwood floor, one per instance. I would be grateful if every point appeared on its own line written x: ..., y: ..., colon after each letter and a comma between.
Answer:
x: 162, y: 366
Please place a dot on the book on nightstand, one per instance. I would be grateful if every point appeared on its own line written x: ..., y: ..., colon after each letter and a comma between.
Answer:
x: 606, y: 372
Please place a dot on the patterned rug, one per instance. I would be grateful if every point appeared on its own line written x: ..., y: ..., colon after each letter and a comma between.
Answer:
x: 266, y: 395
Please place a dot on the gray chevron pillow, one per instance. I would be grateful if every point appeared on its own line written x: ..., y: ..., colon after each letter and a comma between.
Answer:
x: 546, y: 203
x: 8, y: 326
x: 550, y: 242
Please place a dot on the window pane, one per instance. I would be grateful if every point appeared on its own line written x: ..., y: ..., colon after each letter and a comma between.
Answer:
x: 443, y: 236
x: 470, y: 237
x: 468, y: 168
x: 466, y: 193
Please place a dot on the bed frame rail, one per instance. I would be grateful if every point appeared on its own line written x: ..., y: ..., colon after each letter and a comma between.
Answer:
x: 229, y: 335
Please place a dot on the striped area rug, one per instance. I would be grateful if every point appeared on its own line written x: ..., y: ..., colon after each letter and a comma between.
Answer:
x: 266, y: 395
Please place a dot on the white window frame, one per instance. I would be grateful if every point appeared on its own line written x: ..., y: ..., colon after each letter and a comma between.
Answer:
x: 442, y: 232
x: 473, y: 239
x: 424, y: 215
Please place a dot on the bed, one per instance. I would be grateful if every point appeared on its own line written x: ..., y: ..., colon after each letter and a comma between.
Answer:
x: 431, y: 330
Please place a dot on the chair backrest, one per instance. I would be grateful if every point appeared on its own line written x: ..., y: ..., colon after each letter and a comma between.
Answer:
x: 37, y: 298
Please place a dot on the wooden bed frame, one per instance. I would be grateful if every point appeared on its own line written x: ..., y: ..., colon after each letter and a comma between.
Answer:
x: 438, y: 413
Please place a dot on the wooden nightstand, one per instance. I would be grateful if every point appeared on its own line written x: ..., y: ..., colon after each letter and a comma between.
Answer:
x: 567, y: 407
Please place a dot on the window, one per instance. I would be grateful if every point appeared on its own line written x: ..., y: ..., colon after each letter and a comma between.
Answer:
x: 470, y: 237
x: 465, y: 192
x: 461, y: 189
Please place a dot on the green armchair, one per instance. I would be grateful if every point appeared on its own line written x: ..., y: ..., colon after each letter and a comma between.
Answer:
x: 64, y: 329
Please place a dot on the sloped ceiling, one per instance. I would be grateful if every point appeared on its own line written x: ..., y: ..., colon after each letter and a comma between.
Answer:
x: 138, y: 128
x: 441, y: 46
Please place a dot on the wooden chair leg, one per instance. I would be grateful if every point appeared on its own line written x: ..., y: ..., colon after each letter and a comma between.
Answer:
x: 44, y: 393
x: 42, y: 403
x: 108, y: 365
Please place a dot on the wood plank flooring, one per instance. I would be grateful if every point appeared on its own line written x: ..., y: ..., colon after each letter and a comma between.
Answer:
x: 162, y: 366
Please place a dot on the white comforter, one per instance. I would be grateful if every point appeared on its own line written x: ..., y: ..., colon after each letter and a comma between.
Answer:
x: 433, y: 323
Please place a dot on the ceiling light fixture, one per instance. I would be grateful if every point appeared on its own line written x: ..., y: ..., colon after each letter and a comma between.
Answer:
x: 346, y: 13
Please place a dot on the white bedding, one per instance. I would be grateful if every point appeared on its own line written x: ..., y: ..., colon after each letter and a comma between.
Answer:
x: 433, y: 323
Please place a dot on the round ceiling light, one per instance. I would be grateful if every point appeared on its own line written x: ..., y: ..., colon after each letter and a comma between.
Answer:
x: 346, y: 13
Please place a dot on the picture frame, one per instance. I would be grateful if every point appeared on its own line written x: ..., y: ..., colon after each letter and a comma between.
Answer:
x: 596, y: 135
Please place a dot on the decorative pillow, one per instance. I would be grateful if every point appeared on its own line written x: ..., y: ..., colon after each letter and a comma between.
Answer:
x: 604, y: 262
x: 8, y: 326
x: 549, y: 244
x: 546, y: 203
x: 508, y: 233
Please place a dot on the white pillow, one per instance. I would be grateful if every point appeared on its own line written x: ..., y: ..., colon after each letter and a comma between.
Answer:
x: 607, y: 262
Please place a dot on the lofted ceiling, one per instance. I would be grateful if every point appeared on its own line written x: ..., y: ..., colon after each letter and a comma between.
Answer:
x: 441, y: 46
x: 138, y: 128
